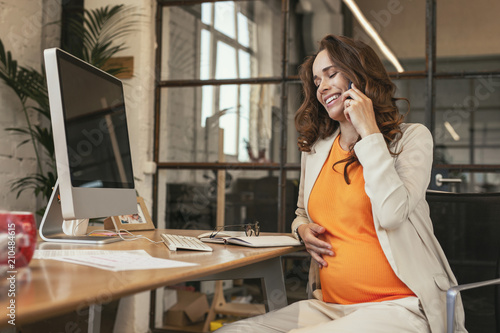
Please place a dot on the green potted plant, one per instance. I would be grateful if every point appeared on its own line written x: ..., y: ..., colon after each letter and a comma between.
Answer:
x: 98, y: 31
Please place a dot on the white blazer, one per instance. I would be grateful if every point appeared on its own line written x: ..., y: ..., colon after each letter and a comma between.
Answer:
x: 396, y: 186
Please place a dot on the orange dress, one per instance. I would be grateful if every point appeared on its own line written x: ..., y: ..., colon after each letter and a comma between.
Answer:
x: 359, y: 271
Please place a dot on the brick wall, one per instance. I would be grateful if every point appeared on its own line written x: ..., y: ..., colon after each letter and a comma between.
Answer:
x: 23, y: 32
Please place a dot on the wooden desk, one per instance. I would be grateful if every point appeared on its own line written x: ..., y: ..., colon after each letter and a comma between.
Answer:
x: 56, y: 287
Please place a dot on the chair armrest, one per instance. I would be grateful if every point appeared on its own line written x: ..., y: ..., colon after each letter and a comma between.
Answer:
x: 451, y: 297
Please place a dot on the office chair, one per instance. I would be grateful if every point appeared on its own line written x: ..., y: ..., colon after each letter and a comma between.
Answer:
x: 467, y: 226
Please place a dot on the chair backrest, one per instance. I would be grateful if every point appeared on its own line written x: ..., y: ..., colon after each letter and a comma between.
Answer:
x: 467, y: 226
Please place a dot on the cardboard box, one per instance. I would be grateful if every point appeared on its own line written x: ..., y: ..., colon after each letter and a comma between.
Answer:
x: 191, y: 308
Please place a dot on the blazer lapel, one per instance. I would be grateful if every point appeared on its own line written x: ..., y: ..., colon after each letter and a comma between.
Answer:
x: 314, y: 164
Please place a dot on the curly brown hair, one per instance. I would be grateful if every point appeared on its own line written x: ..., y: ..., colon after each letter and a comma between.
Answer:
x: 360, y: 64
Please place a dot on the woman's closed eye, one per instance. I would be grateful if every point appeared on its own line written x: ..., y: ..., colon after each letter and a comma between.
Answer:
x: 317, y: 82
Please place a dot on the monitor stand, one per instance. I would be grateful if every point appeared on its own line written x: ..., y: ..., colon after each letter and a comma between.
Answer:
x: 51, y: 227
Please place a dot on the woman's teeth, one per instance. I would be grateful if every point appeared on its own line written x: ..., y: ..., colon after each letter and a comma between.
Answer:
x: 332, y: 98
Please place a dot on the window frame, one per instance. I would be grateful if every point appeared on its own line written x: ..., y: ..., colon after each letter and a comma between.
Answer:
x: 429, y: 74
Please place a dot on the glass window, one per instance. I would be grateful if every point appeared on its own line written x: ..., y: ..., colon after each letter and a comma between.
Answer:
x: 207, y: 103
x: 295, y: 95
x: 225, y: 18
x: 188, y: 199
x: 244, y: 64
x: 414, y: 90
x: 481, y: 182
x: 243, y: 30
x: 467, y: 120
x: 180, y: 57
x: 205, y: 68
x: 244, y: 123
x: 206, y: 13
x: 228, y: 103
x: 188, y: 54
x: 249, y: 114
x: 181, y: 137
x: 226, y: 62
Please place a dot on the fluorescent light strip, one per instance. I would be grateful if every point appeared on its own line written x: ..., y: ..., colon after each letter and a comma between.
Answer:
x: 452, y: 131
x: 373, y: 34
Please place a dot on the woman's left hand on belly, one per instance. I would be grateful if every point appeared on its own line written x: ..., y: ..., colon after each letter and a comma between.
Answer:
x: 310, y: 234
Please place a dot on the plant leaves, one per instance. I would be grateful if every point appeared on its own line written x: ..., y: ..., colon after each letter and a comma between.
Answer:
x: 102, y: 27
x: 98, y: 29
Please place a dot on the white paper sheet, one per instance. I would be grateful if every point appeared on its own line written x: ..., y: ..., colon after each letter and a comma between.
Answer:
x: 50, y: 254
x: 123, y: 261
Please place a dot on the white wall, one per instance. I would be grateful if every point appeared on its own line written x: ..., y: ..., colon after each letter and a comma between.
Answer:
x: 24, y: 32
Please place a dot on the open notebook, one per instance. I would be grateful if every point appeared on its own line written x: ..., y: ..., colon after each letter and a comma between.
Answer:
x: 252, y: 241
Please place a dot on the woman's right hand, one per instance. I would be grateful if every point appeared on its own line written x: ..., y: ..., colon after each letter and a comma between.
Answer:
x: 316, y: 247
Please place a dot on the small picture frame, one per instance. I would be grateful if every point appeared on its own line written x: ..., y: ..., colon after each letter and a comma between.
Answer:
x: 140, y: 221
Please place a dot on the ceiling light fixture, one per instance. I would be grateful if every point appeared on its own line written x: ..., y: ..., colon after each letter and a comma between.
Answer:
x: 373, y: 34
x: 452, y: 131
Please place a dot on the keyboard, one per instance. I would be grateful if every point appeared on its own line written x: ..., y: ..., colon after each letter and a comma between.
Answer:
x: 178, y: 242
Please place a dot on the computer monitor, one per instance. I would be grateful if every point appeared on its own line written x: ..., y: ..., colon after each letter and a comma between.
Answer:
x: 91, y: 142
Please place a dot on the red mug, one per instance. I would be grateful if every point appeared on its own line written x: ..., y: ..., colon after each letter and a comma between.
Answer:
x: 17, y: 239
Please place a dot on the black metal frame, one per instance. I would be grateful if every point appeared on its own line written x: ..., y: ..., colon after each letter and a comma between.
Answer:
x: 282, y: 166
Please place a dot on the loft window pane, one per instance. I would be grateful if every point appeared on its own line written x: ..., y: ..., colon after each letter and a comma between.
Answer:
x: 243, y: 30
x: 415, y: 91
x: 190, y: 121
x: 244, y: 64
x: 179, y: 125
x: 229, y: 118
x: 205, y: 55
x: 224, y: 18
x: 206, y: 13
x: 244, y: 135
x: 188, y: 199
x: 295, y: 93
x: 226, y: 62
x: 206, y: 103
x: 179, y: 54
x: 183, y: 48
x: 467, y: 120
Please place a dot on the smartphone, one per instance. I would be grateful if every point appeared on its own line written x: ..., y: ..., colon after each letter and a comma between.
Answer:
x: 349, y: 87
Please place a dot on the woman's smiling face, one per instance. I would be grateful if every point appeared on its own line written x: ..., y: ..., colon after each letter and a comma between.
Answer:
x: 331, y: 84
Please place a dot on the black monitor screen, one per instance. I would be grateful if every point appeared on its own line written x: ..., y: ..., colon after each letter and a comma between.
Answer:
x: 96, y: 126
